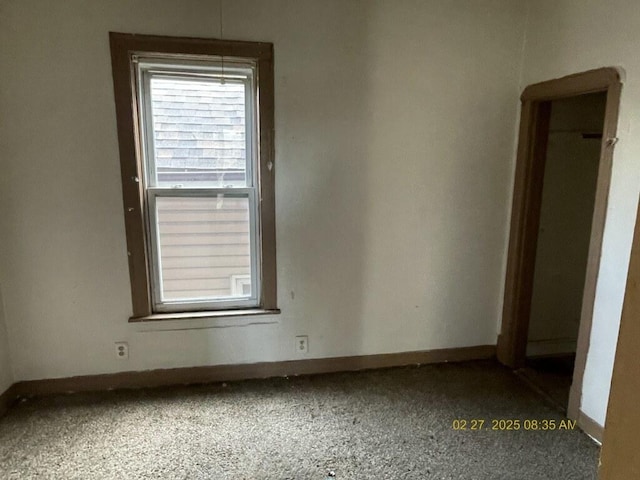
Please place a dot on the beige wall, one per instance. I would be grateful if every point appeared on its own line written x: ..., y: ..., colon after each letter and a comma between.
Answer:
x: 570, y: 36
x: 394, y: 153
x: 568, y: 196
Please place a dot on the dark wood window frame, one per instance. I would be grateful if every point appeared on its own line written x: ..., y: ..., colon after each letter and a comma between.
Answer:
x: 123, y: 47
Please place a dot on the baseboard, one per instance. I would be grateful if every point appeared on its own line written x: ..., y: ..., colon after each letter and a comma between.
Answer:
x: 590, y: 427
x: 541, y: 348
x: 221, y: 373
x: 7, y: 399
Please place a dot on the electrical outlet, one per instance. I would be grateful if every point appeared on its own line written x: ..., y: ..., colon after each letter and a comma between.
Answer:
x: 302, y: 344
x: 122, y: 350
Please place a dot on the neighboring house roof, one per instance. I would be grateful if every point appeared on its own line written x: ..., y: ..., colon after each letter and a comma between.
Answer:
x: 198, y: 125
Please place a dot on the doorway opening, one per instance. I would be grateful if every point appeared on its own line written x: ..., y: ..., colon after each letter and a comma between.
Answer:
x: 566, y: 210
x: 563, y: 170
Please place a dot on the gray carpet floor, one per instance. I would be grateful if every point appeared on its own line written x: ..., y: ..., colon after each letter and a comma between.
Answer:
x: 384, y: 424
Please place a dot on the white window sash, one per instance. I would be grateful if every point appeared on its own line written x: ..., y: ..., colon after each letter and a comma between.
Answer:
x: 240, y: 73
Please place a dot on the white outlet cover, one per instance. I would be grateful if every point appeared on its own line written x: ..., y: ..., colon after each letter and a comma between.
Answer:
x: 302, y: 344
x: 122, y: 350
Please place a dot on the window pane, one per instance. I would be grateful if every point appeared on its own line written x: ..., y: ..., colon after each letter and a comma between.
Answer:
x: 199, y: 132
x: 205, y: 247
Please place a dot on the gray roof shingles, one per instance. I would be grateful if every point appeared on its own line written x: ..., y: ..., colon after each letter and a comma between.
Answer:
x: 198, y: 124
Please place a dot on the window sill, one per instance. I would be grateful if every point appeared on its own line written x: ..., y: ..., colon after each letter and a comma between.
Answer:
x: 156, y: 317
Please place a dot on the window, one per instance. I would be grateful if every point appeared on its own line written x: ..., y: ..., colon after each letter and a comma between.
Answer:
x: 195, y: 128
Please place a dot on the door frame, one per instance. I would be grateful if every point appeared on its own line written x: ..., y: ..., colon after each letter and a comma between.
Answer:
x: 525, y: 214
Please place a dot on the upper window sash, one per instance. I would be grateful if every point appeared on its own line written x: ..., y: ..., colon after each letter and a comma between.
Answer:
x: 218, y: 73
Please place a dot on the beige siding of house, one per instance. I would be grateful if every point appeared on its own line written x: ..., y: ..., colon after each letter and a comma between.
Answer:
x: 204, y: 246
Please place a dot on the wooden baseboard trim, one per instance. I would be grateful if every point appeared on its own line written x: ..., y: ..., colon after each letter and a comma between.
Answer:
x: 222, y: 373
x: 551, y: 348
x: 590, y: 427
x: 7, y: 399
